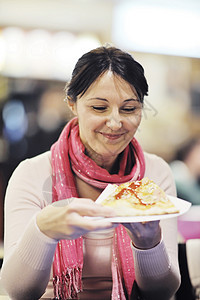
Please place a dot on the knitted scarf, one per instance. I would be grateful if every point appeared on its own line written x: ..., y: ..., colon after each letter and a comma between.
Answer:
x: 68, y: 157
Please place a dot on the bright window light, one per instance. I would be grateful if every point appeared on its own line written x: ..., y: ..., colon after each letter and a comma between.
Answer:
x: 150, y: 26
x: 39, y: 53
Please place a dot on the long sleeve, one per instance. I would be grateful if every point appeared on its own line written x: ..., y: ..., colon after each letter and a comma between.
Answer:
x: 157, y: 269
x: 25, y: 273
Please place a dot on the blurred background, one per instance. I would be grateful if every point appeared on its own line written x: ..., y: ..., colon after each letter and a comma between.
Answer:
x: 40, y: 41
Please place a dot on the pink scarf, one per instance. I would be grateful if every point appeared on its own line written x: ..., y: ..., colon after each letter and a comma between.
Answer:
x: 68, y: 156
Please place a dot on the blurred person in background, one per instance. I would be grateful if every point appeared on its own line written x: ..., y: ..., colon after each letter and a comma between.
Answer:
x: 51, y: 249
x: 186, y: 170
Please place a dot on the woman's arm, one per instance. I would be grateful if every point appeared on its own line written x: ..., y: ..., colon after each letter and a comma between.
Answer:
x: 26, y: 268
x: 27, y: 252
x: 157, y: 269
x: 33, y: 228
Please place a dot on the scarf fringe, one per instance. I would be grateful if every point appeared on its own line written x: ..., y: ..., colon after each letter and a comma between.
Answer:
x: 68, y: 285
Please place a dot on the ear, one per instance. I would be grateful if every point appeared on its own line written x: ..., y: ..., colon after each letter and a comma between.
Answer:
x: 72, y: 106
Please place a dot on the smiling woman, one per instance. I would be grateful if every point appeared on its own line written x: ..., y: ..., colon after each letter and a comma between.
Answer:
x: 113, y: 116
x: 108, y: 86
x: 63, y: 254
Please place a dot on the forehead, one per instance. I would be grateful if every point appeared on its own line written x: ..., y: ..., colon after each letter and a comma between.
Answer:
x: 109, y: 82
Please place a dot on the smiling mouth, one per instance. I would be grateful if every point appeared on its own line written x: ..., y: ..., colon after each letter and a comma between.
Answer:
x: 112, y: 136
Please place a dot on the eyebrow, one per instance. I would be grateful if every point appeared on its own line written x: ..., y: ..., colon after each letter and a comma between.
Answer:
x: 104, y: 99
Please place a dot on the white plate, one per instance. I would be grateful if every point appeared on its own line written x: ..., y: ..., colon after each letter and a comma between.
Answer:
x: 182, y: 205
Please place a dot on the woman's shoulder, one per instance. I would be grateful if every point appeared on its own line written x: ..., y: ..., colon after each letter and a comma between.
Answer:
x: 41, y: 162
x: 44, y: 158
x: 157, y: 169
x: 152, y: 159
x: 35, y: 169
x: 34, y: 176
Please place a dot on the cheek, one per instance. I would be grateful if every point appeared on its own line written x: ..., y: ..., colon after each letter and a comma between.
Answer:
x: 138, y: 119
x: 92, y: 123
x: 134, y: 122
x: 87, y: 126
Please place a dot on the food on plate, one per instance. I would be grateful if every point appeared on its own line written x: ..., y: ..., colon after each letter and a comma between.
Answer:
x: 140, y: 198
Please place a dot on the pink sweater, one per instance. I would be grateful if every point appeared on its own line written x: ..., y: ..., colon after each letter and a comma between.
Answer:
x: 27, y: 272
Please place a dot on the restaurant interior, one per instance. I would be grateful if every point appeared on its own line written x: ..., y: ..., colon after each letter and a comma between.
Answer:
x: 40, y: 42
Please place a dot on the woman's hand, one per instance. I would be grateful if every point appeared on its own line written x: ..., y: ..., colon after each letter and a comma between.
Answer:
x: 144, y: 235
x: 68, y: 222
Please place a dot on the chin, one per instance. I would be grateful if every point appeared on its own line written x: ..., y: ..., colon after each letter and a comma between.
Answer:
x: 110, y: 151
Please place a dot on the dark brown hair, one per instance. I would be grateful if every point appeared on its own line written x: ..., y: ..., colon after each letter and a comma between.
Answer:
x: 96, y: 62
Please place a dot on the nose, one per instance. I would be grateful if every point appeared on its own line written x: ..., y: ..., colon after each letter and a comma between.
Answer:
x: 114, y: 121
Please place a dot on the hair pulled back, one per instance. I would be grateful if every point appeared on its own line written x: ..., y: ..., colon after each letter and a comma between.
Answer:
x: 96, y: 62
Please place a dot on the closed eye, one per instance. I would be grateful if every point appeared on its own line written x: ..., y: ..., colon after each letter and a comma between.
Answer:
x: 99, y: 108
x: 129, y: 109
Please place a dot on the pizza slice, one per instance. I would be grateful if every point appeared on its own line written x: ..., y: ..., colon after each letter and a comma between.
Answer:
x: 140, y: 198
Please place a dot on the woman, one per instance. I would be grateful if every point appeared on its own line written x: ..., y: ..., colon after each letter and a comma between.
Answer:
x: 91, y: 258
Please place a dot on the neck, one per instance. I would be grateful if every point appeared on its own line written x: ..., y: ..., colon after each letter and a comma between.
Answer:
x: 107, y: 163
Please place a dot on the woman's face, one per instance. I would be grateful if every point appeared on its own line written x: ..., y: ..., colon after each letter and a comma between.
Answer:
x: 109, y: 114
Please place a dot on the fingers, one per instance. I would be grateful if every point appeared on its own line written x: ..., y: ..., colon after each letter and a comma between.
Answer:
x: 142, y: 225
x: 87, y: 207
x: 144, y: 235
x: 67, y: 220
x: 89, y: 224
x: 76, y: 225
x: 81, y: 208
